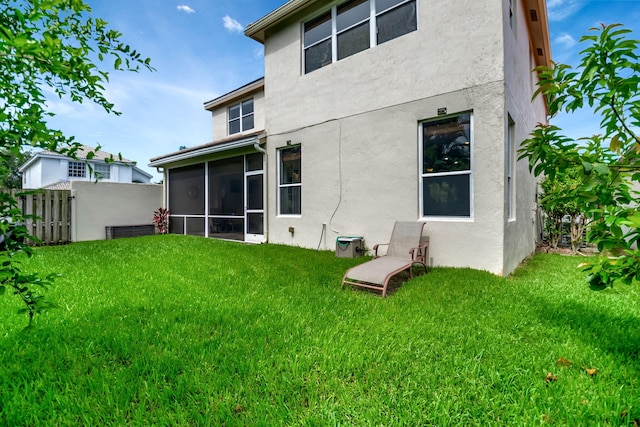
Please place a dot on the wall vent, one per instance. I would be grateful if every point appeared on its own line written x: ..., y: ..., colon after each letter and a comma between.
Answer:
x: 119, y: 231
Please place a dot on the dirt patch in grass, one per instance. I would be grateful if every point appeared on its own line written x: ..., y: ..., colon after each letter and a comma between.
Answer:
x: 544, y: 247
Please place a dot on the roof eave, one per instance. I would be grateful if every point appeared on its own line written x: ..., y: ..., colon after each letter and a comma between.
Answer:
x: 539, y: 31
x: 141, y: 172
x: 205, y: 150
x: 540, y: 40
x: 254, y: 86
x: 257, y: 30
x: 28, y: 163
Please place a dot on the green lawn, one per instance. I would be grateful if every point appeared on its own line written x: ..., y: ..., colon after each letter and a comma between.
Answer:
x: 178, y: 330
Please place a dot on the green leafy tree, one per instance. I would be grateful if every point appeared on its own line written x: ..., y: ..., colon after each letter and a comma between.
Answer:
x: 556, y: 207
x: 607, y: 80
x: 47, y: 46
x: 10, y: 177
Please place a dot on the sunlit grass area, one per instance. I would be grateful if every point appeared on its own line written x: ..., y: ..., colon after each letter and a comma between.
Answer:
x: 179, y: 330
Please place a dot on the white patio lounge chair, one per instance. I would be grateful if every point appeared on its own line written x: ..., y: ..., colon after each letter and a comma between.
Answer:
x: 405, y: 248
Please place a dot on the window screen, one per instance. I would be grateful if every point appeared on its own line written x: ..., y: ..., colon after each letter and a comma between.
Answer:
x: 397, y: 22
x: 446, y: 166
x: 290, y: 184
x: 355, y: 26
x: 186, y: 190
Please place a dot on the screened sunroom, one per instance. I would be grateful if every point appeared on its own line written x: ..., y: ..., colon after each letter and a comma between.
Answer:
x: 216, y: 190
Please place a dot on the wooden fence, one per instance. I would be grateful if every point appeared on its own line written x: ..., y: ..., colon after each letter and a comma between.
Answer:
x: 53, y: 211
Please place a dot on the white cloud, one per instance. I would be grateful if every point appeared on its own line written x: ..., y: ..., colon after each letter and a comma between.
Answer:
x: 565, y: 40
x: 232, y: 25
x: 560, y: 10
x: 184, y: 8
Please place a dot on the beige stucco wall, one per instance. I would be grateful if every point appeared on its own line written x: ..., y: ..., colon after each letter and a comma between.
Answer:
x: 456, y: 46
x: 357, y: 121
x: 95, y: 206
x: 220, y: 116
x: 361, y: 173
x: 520, y: 83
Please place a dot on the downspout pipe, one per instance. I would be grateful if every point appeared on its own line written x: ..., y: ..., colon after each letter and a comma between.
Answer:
x: 165, y: 186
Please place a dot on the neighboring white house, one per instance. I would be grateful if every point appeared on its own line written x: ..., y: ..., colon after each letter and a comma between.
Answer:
x: 50, y: 170
x: 372, y: 111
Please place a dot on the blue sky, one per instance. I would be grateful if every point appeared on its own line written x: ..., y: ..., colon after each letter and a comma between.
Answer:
x: 200, y: 52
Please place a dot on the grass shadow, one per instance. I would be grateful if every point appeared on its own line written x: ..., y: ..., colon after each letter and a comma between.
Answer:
x: 616, y: 334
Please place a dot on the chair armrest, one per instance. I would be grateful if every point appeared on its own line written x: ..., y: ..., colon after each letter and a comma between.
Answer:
x: 375, y: 249
x: 419, y: 253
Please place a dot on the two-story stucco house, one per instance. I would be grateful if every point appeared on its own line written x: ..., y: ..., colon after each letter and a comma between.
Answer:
x: 47, y: 169
x: 372, y: 111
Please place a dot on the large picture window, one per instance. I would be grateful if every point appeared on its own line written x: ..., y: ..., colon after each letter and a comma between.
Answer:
x: 241, y: 117
x: 290, y: 181
x: 354, y: 26
x: 446, y: 168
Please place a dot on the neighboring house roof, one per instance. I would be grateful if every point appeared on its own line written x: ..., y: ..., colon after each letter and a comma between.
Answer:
x: 62, y: 185
x: 81, y: 154
x: 253, y: 86
x: 84, y: 150
x: 245, y: 140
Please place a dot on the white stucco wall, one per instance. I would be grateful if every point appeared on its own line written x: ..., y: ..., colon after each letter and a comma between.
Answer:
x: 220, y: 116
x: 49, y: 172
x: 95, y: 206
x: 136, y: 176
x: 121, y: 173
x: 357, y: 121
x: 31, y: 177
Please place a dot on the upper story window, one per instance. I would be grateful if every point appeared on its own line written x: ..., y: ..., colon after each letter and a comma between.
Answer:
x: 102, y: 170
x: 241, y: 117
x: 354, y: 26
x: 77, y: 170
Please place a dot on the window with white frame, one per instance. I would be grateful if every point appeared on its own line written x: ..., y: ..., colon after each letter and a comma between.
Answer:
x: 241, y: 117
x: 510, y: 169
x: 77, y: 170
x: 101, y: 170
x: 446, y: 170
x: 354, y: 26
x: 290, y: 181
